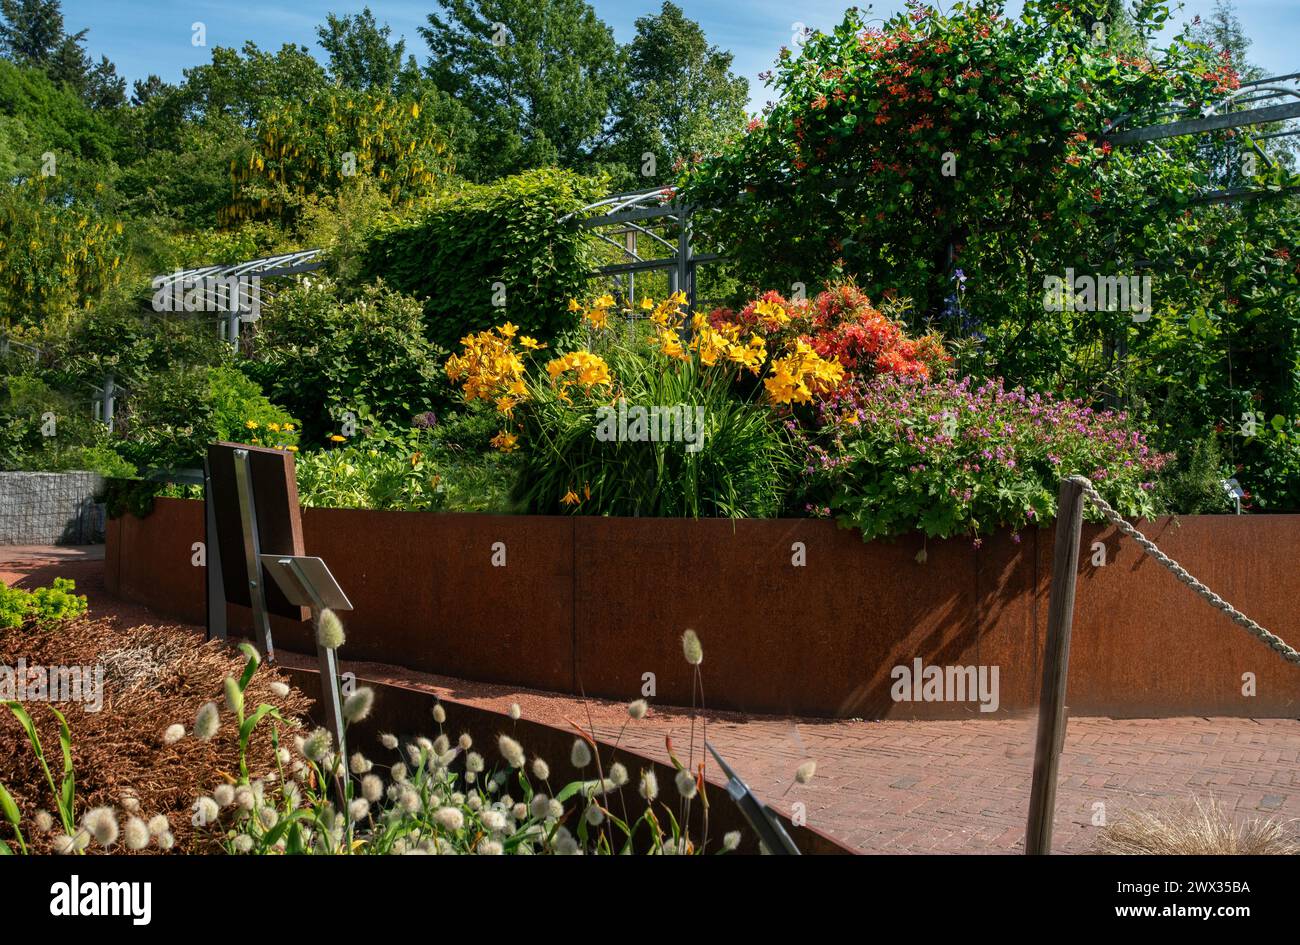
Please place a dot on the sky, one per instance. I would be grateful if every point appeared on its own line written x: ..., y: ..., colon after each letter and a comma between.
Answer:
x: 146, y: 36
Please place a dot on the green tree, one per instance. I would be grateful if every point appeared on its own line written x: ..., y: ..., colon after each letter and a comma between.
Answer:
x: 539, y: 77
x: 32, y: 33
x: 246, y: 84
x: 363, y: 58
x: 681, y: 98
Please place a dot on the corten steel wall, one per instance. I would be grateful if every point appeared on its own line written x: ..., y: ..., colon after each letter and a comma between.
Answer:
x: 589, y: 605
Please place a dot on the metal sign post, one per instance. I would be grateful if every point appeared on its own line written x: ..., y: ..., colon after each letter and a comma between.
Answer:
x: 306, y: 581
x: 252, y: 553
x: 215, y: 580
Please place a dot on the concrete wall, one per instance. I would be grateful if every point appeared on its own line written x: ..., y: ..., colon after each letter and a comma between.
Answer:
x: 590, y: 605
x: 41, y: 508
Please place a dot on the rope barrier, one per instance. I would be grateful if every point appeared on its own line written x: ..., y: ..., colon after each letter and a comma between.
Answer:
x: 1272, y: 640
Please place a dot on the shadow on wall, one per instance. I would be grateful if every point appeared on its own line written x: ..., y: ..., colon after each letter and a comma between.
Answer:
x: 797, y: 616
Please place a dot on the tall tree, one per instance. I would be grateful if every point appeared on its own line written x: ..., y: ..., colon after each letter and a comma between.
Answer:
x: 32, y: 30
x: 681, y: 97
x: 362, y: 56
x: 32, y: 34
x: 539, y: 76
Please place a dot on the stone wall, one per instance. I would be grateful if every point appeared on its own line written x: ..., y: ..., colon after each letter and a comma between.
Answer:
x: 41, y: 508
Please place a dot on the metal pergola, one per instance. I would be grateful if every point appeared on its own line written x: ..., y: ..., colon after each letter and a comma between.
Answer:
x: 233, y: 289
x: 621, y: 220
x: 1258, y: 102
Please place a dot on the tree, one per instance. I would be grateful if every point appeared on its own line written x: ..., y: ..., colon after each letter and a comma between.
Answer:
x: 32, y: 31
x: 363, y: 58
x: 246, y: 84
x: 539, y: 76
x: 680, y: 99
x: 32, y: 34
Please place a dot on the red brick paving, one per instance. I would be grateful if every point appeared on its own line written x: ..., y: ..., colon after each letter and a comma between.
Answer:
x: 892, y: 787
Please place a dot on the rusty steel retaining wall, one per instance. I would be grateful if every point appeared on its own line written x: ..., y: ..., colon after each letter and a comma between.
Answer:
x: 592, y: 605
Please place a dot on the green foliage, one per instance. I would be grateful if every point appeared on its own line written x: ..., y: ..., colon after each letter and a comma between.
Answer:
x: 55, y: 256
x: 741, y: 469
x: 1194, y: 485
x: 46, y: 116
x: 538, y: 76
x: 680, y: 100
x: 43, y: 607
x: 445, y: 467
x: 950, y: 458
x: 454, y: 253
x: 321, y: 355
x: 361, y: 56
x: 78, y: 443
x: 239, y: 406
x: 311, y: 147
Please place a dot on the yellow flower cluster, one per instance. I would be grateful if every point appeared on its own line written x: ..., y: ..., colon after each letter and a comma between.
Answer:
x: 489, y: 366
x: 590, y: 370
x: 597, y: 314
x: 801, y: 373
x: 723, y: 343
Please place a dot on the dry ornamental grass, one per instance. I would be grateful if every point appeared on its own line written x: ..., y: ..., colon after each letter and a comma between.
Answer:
x: 1200, y: 828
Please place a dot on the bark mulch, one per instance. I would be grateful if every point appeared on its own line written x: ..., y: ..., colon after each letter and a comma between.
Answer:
x: 153, y: 676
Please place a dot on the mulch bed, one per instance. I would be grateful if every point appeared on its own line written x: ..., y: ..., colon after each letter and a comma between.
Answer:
x: 153, y: 676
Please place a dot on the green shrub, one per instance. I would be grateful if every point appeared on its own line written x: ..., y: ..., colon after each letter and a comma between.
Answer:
x: 460, y: 250
x: 321, y: 355
x: 42, y: 607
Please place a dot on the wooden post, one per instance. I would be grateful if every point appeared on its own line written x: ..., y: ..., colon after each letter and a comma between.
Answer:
x: 1056, y: 665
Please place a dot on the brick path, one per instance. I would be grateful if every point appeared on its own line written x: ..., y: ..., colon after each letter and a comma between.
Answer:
x: 899, y: 787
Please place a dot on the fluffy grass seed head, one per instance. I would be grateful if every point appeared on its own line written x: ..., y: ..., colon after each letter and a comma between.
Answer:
x: 449, y: 818
x: 730, y: 840
x: 329, y: 630
x: 617, y: 774
x: 511, y: 751
x: 372, y: 788
x: 439, y: 713
x: 44, y: 821
x: 515, y: 712
x: 317, y: 745
x: 358, y: 705
x: 581, y: 753
x: 638, y: 709
x: 224, y: 795
x: 207, y: 721
x: 359, y: 764
x: 692, y: 649
x: 279, y: 689
x: 541, y: 770
x: 174, y: 733
x: 101, y: 823
x: 804, y: 773
x: 649, y: 787
x: 686, y: 786
x: 135, y: 834
x: 234, y: 695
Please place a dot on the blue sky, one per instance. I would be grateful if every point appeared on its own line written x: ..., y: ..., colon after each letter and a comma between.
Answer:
x: 144, y: 36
